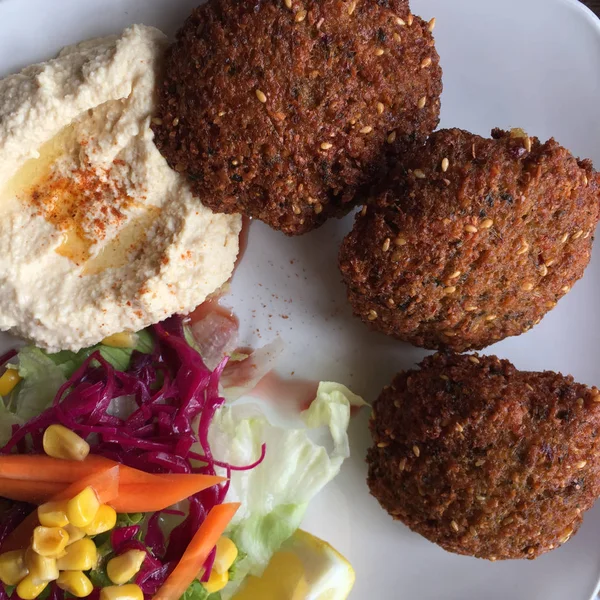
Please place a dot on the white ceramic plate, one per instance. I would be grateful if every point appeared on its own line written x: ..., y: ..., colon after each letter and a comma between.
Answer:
x: 528, y: 63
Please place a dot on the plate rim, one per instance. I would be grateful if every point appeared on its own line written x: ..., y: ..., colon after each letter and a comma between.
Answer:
x: 590, y: 19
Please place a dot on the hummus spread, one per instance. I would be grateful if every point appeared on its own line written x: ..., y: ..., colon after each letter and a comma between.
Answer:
x: 98, y: 235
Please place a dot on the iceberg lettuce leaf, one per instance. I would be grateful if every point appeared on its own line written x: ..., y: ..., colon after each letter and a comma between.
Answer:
x: 7, y: 420
x: 275, y: 494
x: 42, y: 378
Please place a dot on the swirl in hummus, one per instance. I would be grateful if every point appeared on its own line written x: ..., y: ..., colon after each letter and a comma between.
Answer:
x: 98, y: 234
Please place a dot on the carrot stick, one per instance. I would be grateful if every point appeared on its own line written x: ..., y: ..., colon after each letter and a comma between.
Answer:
x: 38, y: 492
x: 160, y: 492
x: 104, y: 482
x: 41, y: 468
x: 33, y: 492
x: 204, y: 540
x: 164, y: 492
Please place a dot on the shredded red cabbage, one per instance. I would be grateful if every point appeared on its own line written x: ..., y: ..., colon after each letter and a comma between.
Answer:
x: 56, y: 593
x: 175, y: 397
x: 6, y: 357
x: 122, y: 535
x: 155, y: 538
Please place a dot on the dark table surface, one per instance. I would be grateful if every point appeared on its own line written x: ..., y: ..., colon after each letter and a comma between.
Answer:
x: 594, y: 5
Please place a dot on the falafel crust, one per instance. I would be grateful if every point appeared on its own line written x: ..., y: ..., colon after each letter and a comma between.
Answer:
x: 474, y: 242
x: 282, y: 110
x: 486, y: 460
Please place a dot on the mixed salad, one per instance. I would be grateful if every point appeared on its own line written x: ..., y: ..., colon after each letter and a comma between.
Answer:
x: 133, y: 470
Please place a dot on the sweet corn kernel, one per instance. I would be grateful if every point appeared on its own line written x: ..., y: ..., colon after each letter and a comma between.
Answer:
x: 41, y: 568
x: 29, y: 590
x: 12, y: 567
x: 105, y: 520
x: 216, y: 582
x: 125, y: 339
x: 80, y: 556
x: 76, y: 583
x: 9, y: 381
x: 227, y: 552
x: 122, y: 592
x: 49, y: 541
x: 53, y: 514
x: 82, y: 509
x: 60, y: 442
x: 124, y: 567
x: 75, y: 534
x: 517, y: 132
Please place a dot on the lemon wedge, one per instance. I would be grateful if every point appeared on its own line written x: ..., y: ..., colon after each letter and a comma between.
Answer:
x: 306, y: 568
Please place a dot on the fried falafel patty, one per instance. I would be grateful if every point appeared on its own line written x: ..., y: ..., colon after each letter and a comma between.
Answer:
x: 282, y: 110
x: 476, y: 241
x: 484, y: 459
